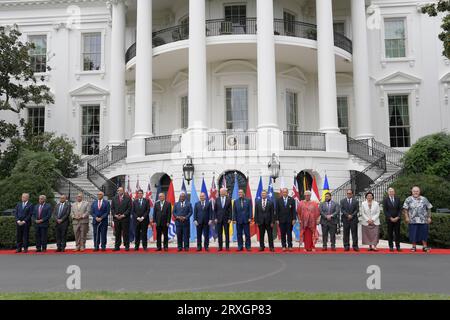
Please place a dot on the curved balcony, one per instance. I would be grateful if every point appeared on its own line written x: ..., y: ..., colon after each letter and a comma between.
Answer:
x: 219, y: 27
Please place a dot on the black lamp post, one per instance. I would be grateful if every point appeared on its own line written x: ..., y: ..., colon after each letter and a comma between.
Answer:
x: 188, y: 170
x: 274, y: 167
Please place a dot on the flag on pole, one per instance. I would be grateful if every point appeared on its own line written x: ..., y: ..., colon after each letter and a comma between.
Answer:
x: 326, y: 188
x: 234, y: 197
x: 129, y: 192
x: 183, y: 188
x: 315, y: 191
x: 138, y: 187
x: 212, y: 198
x: 248, y: 195
x: 257, y: 198
x: 171, y: 200
x: 296, y: 197
x: 194, y: 200
x: 148, y: 196
x: 271, y: 197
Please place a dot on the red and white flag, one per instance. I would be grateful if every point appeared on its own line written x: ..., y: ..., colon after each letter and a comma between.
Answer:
x: 138, y: 187
x: 148, y: 194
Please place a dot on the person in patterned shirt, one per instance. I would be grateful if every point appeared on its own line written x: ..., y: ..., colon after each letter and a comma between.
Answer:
x: 417, y: 211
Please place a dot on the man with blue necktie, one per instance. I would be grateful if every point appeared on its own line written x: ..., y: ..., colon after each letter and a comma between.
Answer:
x: 242, y: 216
x: 182, y: 212
x: 62, y: 213
x: 202, y: 220
x: 286, y: 217
x: 140, y: 213
x: 42, y: 213
x: 23, y: 213
x: 100, y: 211
x: 222, y: 217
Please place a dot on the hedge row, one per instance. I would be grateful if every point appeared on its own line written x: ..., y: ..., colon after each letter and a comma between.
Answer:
x: 8, y: 233
x: 439, y: 232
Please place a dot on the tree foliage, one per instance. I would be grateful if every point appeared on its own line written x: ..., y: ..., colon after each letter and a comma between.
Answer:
x: 433, y: 9
x: 430, y: 155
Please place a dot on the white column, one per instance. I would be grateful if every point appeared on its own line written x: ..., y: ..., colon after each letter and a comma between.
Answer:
x: 197, y: 66
x: 361, y: 83
x: 326, y: 67
x: 267, y: 83
x: 117, y: 96
x: 144, y: 95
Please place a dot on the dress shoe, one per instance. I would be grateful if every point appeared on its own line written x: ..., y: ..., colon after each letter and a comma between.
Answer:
x: 248, y: 249
x: 116, y: 249
x: 207, y: 249
x: 127, y: 249
x: 227, y: 249
x: 95, y: 249
x: 178, y: 250
x: 38, y: 250
x: 240, y: 249
x: 356, y: 249
x: 186, y: 249
x: 166, y: 249
x: 391, y: 249
x: 25, y: 250
x: 44, y: 250
x: 103, y: 249
x: 220, y: 249
x: 58, y: 250
x: 261, y: 249
x: 18, y: 250
x: 333, y: 249
x: 290, y: 249
x: 145, y: 249
x: 284, y: 249
x: 159, y: 249
x: 346, y: 249
x: 63, y: 250
x: 399, y: 250
x: 272, y: 249
x: 199, y: 249
x: 324, y: 249
x: 136, y: 249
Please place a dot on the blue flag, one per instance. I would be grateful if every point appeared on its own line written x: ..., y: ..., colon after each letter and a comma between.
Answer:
x: 205, y: 190
x: 235, y: 196
x: 194, y: 200
x: 183, y: 188
x: 259, y: 191
x: 150, y: 230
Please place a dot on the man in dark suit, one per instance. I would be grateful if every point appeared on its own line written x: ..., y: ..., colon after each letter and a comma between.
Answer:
x: 329, y: 213
x: 182, y: 212
x: 222, y: 218
x: 349, y: 210
x: 202, y: 220
x: 42, y: 213
x: 23, y: 213
x: 162, y: 214
x: 100, y: 211
x: 120, y: 210
x: 392, y: 208
x: 265, y: 219
x: 61, y: 212
x: 140, y: 213
x: 242, y: 216
x: 285, y: 216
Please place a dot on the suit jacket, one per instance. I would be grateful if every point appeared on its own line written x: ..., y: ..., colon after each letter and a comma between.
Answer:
x: 370, y: 214
x: 103, y: 212
x: 222, y: 214
x: 242, y: 211
x: 139, y: 211
x: 286, y: 213
x: 203, y: 215
x: 24, y: 214
x: 80, y: 209
x: 353, y: 210
x: 264, y: 216
x: 179, y: 211
x: 123, y: 207
x: 46, y: 214
x: 162, y: 216
x: 65, y: 212
x: 392, y: 210
x: 333, y: 211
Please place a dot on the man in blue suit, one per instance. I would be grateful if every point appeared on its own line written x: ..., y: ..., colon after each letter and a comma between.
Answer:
x: 42, y: 212
x: 242, y: 216
x: 202, y: 220
x: 182, y: 212
x: 23, y: 213
x: 99, y: 211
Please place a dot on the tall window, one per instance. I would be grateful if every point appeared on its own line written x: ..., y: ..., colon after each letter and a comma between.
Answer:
x: 90, y: 130
x: 236, y: 13
x: 38, y: 55
x: 237, y: 108
x: 292, y: 111
x: 184, y: 112
x: 395, y: 38
x: 342, y: 105
x: 92, y: 51
x: 399, y: 124
x: 289, y: 22
x: 36, y: 120
x: 339, y: 27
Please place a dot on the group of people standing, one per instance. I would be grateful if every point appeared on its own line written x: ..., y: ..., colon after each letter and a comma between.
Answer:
x: 284, y: 212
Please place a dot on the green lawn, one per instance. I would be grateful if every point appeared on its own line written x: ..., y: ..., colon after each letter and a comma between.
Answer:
x: 220, y: 296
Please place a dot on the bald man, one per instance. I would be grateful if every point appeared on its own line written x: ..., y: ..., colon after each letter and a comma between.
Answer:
x: 121, y: 210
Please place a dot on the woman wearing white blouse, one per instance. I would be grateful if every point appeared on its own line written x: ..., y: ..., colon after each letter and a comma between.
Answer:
x: 370, y: 221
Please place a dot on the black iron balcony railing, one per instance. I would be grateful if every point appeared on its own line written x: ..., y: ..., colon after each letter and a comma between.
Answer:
x: 231, y: 140
x: 219, y: 27
x: 308, y: 141
x: 163, y: 144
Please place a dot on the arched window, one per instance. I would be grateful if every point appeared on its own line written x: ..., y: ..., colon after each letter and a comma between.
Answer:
x: 164, y: 184
x: 228, y: 178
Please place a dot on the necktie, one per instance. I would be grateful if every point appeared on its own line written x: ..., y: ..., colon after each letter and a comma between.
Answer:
x: 392, y: 200
x: 203, y: 205
x: 264, y: 205
x: 329, y: 207
x: 120, y: 200
x: 242, y: 203
x: 99, y: 204
x: 223, y: 202
x: 23, y: 205
x: 182, y: 204
x: 140, y: 202
x: 350, y: 202
x: 61, y: 206
x: 162, y: 204
x: 40, y: 212
x: 285, y: 202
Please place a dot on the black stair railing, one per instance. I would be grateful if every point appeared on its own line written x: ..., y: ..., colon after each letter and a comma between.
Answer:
x: 71, y: 190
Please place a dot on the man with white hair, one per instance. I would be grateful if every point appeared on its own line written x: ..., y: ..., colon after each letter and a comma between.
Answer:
x: 182, y: 211
x: 392, y: 208
x: 80, y: 221
x: 285, y: 216
x: 222, y: 217
x: 22, y: 214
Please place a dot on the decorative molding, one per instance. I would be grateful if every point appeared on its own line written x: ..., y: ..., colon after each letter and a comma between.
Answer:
x: 398, y: 78
x: 294, y: 73
x: 235, y: 67
x: 181, y: 78
x: 23, y: 3
x: 89, y: 90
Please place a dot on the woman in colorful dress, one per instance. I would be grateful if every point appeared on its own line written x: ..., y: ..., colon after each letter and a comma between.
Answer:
x: 308, y: 215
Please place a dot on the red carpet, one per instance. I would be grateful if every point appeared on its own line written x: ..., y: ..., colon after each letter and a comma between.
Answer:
x: 233, y: 251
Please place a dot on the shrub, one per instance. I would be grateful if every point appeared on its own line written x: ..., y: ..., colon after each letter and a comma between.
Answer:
x: 8, y: 233
x: 430, y: 155
x: 434, y: 188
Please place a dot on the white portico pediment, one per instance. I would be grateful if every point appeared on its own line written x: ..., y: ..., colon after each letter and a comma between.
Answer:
x: 399, y: 78
x: 235, y: 67
x: 89, y: 90
x: 295, y: 74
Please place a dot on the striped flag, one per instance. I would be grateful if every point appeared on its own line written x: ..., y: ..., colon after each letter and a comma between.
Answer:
x: 248, y: 195
x: 171, y: 200
x: 194, y: 200
x: 129, y: 192
x: 315, y: 191
x: 234, y: 197
x: 296, y: 197
x: 257, y: 198
x: 212, y: 198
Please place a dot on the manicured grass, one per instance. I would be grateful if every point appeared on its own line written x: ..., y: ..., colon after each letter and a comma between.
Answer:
x: 220, y: 296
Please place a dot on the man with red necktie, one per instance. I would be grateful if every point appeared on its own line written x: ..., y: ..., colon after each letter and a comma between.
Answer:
x: 42, y: 213
x: 100, y: 211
